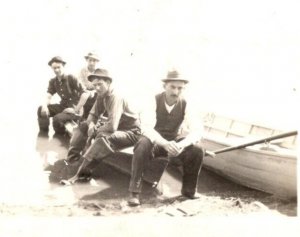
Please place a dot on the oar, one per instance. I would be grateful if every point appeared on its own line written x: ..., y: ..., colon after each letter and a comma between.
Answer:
x: 264, y: 140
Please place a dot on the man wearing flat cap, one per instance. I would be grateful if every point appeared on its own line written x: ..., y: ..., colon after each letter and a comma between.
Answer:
x: 72, y: 97
x: 92, y: 60
x: 165, y: 117
x: 112, y: 123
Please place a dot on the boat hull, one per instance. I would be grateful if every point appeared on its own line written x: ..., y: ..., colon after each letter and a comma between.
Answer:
x: 267, y: 171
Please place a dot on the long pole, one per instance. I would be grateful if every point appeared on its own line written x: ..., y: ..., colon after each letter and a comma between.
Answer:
x: 264, y: 140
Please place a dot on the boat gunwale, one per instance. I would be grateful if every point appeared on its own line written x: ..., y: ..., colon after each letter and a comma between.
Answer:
x: 283, y: 153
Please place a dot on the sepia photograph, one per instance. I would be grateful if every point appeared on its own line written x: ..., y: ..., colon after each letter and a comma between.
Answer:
x: 149, y: 117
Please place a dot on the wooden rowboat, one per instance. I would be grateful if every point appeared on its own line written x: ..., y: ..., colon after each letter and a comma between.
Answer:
x: 271, y: 167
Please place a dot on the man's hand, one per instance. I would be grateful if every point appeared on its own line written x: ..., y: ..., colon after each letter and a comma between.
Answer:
x: 69, y: 111
x: 89, y: 86
x: 78, y: 111
x: 45, y: 111
x: 210, y: 153
x: 91, y: 130
x: 172, y: 148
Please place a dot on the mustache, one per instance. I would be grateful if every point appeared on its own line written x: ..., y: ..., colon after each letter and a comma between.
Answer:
x: 173, y: 95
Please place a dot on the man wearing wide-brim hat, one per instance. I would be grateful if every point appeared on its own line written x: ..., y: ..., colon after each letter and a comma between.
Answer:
x: 162, y: 135
x: 72, y: 97
x: 112, y: 123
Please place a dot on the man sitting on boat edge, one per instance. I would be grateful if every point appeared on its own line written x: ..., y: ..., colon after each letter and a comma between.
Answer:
x: 161, y: 136
x: 72, y: 94
x: 121, y: 129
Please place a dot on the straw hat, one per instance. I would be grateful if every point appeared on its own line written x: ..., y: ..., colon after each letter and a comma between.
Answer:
x: 92, y: 55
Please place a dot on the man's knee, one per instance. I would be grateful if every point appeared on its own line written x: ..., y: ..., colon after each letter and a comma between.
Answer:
x: 58, y: 124
x: 143, y: 142
x: 197, y: 152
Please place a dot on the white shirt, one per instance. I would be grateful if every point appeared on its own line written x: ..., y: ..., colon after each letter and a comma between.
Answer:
x: 169, y: 108
x: 191, y: 126
x: 83, y: 78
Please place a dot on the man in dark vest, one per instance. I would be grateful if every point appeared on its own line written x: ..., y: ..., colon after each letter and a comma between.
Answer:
x: 162, y: 124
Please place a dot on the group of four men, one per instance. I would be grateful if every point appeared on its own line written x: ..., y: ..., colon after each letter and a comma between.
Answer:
x: 113, y: 124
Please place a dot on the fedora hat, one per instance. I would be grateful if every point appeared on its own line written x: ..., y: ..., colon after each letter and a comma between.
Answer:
x: 92, y: 55
x: 56, y: 59
x: 100, y: 74
x: 174, y: 76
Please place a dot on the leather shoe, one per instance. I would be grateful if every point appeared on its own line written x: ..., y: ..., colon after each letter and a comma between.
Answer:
x: 191, y: 196
x: 134, y: 200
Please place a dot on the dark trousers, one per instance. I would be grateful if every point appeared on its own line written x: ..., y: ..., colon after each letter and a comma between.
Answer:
x: 88, y: 106
x: 191, y: 158
x: 59, y: 118
x: 98, y: 150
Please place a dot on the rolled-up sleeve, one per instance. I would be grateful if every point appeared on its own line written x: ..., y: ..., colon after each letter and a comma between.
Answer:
x: 51, y: 87
x: 114, y: 109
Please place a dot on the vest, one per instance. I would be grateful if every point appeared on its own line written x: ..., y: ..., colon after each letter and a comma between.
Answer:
x: 167, y: 124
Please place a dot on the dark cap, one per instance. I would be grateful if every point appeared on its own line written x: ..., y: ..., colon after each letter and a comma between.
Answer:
x: 56, y: 59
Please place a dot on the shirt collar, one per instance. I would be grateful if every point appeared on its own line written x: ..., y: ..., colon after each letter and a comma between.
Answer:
x: 63, y: 78
x: 169, y: 108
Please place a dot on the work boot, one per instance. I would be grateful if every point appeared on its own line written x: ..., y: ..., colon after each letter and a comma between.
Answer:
x: 134, y: 200
x: 85, y: 175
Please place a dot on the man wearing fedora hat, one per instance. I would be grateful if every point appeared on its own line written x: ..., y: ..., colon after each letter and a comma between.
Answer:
x: 119, y: 129
x: 92, y: 59
x: 162, y: 123
x: 72, y: 96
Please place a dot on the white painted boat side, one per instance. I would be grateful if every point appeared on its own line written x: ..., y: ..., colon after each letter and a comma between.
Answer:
x: 267, y: 171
